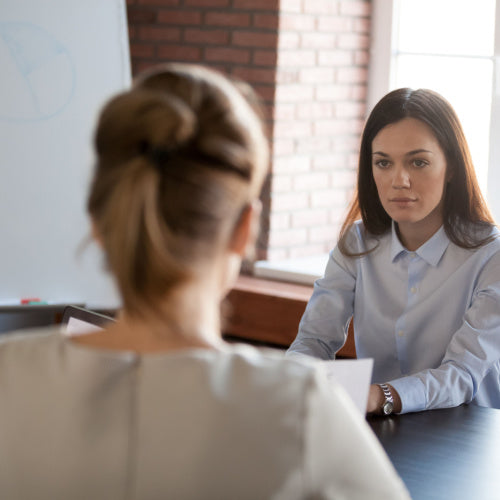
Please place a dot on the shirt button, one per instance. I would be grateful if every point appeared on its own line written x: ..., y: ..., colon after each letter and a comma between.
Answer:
x: 401, y: 333
x: 413, y: 255
x: 413, y: 289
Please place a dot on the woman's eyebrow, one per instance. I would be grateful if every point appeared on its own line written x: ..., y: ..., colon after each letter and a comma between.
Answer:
x: 410, y: 153
x: 417, y: 151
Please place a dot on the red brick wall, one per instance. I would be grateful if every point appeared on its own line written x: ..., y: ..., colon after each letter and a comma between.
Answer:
x: 319, y: 114
x: 308, y: 60
x: 238, y: 37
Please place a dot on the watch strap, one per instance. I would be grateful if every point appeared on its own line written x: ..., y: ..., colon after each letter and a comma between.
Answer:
x: 388, y: 404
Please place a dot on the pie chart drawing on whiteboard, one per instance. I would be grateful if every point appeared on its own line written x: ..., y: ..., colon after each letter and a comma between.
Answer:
x: 38, y: 75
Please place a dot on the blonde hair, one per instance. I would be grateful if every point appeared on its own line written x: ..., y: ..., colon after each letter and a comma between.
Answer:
x: 179, y: 157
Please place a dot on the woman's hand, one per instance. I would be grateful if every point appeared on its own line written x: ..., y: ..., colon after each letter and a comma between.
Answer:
x: 376, y: 400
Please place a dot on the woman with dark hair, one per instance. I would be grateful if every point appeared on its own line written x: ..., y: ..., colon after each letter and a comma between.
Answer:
x: 416, y: 267
x: 158, y: 405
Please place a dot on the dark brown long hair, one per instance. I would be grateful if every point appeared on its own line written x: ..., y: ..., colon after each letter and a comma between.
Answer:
x: 465, y: 211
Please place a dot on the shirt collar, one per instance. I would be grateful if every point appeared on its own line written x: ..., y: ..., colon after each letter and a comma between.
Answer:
x: 431, y: 251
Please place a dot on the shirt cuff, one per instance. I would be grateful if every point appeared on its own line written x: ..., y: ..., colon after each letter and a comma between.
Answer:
x: 411, y: 391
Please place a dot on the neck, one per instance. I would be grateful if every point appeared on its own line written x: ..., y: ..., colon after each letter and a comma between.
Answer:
x: 191, y: 319
x: 415, y: 236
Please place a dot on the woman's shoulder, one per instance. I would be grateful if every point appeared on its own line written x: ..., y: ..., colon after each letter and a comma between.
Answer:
x: 263, y: 373
x: 483, y: 238
x: 492, y: 233
x: 27, y: 356
x: 26, y: 340
x: 483, y: 231
x: 358, y: 240
x: 270, y: 362
x: 490, y: 250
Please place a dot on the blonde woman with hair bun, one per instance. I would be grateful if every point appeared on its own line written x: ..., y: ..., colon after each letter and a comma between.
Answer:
x: 158, y: 405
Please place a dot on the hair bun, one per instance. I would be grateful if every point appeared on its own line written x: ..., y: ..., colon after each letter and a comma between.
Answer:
x: 143, y: 122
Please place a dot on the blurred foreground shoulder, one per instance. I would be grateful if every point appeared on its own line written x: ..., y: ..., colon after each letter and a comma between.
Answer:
x: 341, y: 457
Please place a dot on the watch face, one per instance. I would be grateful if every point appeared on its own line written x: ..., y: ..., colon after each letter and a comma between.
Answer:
x: 387, y: 408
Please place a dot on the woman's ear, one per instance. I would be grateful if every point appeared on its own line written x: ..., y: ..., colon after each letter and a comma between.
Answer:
x: 246, y: 229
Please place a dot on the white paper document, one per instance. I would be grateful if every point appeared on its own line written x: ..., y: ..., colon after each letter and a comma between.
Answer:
x: 354, y: 375
x: 76, y: 326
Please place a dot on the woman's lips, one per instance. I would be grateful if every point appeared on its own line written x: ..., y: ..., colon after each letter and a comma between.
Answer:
x: 402, y: 203
x: 402, y: 200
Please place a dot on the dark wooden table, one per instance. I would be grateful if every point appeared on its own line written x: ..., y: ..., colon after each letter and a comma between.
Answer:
x: 445, y: 454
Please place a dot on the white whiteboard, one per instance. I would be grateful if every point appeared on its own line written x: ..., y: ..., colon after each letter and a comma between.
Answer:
x: 59, y: 61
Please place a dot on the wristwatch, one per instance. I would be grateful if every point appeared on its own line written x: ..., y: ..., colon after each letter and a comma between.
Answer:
x: 388, y: 405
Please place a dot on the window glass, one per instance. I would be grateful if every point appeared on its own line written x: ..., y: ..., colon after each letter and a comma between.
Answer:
x: 467, y: 84
x: 446, y: 27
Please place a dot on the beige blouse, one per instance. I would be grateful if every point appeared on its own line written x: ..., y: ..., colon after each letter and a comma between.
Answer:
x: 80, y: 423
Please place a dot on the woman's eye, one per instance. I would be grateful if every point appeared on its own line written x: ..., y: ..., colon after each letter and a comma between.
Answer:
x: 419, y: 163
x: 382, y: 163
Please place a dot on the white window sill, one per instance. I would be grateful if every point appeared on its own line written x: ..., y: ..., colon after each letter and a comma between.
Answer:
x: 303, y: 270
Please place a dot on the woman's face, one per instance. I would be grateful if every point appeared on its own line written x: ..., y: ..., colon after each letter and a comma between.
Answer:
x: 409, y: 169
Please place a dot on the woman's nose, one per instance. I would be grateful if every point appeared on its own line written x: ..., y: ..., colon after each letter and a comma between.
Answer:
x: 401, y: 178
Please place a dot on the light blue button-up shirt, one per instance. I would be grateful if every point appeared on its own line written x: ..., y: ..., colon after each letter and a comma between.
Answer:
x: 430, y: 319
